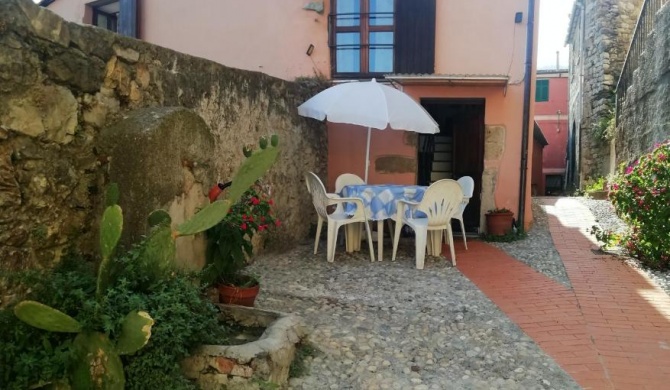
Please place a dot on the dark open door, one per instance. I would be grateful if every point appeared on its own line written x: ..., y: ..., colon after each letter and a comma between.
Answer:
x: 457, y: 151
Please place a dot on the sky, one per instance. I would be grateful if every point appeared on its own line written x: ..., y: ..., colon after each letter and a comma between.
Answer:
x: 553, y: 24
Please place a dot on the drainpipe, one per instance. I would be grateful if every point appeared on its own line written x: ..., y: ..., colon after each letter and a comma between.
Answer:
x: 526, y: 111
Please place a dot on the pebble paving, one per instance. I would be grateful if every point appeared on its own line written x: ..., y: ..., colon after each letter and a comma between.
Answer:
x: 387, y: 325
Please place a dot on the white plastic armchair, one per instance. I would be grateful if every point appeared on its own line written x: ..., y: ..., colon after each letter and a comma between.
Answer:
x: 321, y: 201
x: 468, y: 186
x: 439, y: 204
x: 319, y: 221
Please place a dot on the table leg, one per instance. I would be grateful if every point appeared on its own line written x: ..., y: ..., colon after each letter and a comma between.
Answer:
x: 380, y: 239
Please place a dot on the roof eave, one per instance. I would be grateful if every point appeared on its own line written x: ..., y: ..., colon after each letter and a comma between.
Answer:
x: 449, y: 80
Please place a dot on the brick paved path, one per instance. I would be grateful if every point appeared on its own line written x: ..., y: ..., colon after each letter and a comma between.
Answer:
x: 610, y: 331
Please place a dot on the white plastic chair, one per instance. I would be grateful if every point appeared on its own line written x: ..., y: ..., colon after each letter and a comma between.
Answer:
x: 439, y: 204
x: 319, y: 221
x: 348, y: 179
x: 321, y: 201
x: 468, y: 186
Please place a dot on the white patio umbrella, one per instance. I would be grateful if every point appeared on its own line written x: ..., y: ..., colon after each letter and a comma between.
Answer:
x: 372, y: 105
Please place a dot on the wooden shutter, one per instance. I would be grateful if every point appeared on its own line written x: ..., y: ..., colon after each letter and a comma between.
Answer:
x: 128, y: 18
x: 414, y: 50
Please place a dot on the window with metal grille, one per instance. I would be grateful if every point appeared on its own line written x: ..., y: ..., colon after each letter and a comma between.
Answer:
x: 362, y: 37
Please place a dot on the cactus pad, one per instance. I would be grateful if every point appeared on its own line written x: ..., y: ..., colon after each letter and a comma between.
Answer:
x: 112, y: 195
x: 263, y: 142
x: 110, y: 230
x: 205, y: 218
x: 46, y: 317
x: 158, y: 252
x: 274, y: 140
x: 96, y: 364
x: 251, y: 170
x: 158, y: 217
x: 135, y: 332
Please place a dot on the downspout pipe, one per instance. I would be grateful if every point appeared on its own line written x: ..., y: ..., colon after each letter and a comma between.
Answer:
x: 526, y: 112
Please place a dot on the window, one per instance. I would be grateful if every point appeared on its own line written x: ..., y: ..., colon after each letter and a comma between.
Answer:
x: 119, y: 16
x: 106, y: 15
x: 542, y: 91
x: 362, y: 37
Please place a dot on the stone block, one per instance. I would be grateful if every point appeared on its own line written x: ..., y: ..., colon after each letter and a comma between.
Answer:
x: 224, y: 365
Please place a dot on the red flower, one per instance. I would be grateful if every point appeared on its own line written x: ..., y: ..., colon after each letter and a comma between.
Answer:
x: 250, y: 218
x: 243, y: 226
x: 244, y: 217
x: 277, y: 222
x: 255, y: 201
x: 271, y: 202
x: 262, y: 227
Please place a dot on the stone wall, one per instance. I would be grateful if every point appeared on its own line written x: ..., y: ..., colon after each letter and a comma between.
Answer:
x: 644, y: 117
x: 62, y: 83
x: 598, y: 50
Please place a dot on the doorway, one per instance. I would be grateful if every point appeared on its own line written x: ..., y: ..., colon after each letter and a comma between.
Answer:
x: 456, y: 151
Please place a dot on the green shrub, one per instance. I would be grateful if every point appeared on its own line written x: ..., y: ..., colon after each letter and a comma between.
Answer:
x: 183, y: 320
x: 641, y: 197
x: 596, y: 185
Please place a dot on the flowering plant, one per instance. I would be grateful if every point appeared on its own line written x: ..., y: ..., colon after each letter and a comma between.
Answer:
x: 640, y: 194
x: 230, y: 241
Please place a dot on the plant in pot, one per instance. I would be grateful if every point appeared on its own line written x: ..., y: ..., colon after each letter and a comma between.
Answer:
x: 499, y: 221
x: 230, y: 243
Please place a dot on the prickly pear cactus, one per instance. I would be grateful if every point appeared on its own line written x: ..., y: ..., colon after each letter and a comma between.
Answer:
x: 45, y: 317
x: 135, y: 332
x: 251, y: 170
x: 158, y: 217
x: 97, y: 365
x: 158, y: 252
x: 111, y: 227
x: 263, y: 142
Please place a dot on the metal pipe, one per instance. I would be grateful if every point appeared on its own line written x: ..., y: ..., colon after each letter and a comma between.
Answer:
x: 526, y: 111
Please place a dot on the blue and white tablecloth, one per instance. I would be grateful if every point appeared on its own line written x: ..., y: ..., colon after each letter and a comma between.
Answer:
x: 380, y: 200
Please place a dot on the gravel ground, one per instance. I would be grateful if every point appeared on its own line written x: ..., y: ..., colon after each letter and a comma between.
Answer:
x: 537, y: 250
x: 387, y: 325
x: 604, y: 213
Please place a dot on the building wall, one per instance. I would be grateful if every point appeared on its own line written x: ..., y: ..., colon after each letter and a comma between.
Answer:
x: 552, y: 117
x: 644, y: 119
x: 599, y: 40
x: 222, y: 31
x: 266, y: 36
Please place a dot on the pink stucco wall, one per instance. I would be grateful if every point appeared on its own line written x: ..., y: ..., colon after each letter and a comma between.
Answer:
x: 266, y: 36
x: 552, y: 117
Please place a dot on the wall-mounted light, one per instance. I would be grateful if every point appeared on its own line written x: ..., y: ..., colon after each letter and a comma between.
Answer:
x: 310, y: 50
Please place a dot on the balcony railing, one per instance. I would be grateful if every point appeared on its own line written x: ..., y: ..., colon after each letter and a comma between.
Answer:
x: 638, y: 44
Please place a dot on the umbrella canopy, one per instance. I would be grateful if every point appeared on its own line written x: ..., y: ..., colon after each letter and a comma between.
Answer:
x: 372, y: 105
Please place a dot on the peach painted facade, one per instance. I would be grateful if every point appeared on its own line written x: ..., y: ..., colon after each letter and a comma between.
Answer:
x: 474, y: 37
x: 552, y: 117
x: 266, y: 36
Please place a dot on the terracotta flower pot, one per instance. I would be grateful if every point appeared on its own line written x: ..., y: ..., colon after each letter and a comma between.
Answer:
x: 245, y: 296
x: 499, y: 224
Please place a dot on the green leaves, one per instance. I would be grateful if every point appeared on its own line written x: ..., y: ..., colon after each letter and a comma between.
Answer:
x: 135, y: 332
x: 45, y: 317
x: 112, y: 195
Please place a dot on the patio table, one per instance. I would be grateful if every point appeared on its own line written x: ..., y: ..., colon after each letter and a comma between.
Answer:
x: 380, y: 204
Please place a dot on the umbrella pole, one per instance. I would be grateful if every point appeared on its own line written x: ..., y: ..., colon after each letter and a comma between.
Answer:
x: 367, y: 157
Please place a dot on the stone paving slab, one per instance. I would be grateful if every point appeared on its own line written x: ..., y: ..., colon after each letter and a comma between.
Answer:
x: 389, y: 326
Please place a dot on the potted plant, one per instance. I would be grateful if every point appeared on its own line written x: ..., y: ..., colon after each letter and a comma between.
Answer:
x: 499, y: 221
x: 230, y: 243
